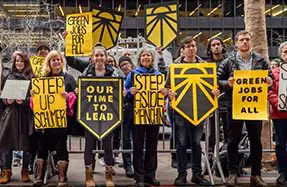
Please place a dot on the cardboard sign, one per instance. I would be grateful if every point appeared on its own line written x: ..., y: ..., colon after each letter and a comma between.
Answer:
x: 106, y: 26
x: 100, y: 104
x: 148, y: 101
x: 161, y: 23
x: 37, y: 65
x: 282, y: 92
x: 49, y: 104
x: 249, y: 100
x: 15, y: 89
x: 79, y: 39
x: 193, y: 84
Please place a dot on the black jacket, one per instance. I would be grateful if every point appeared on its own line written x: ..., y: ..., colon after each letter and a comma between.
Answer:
x: 227, y: 67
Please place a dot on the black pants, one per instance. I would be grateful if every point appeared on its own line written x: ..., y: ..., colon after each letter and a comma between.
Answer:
x: 222, y: 120
x: 50, y: 141
x: 127, y: 134
x: 7, y: 158
x: 254, y: 134
x: 145, y: 165
x: 90, y: 144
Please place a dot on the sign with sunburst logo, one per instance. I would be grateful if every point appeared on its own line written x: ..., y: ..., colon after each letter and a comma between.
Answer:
x: 106, y: 27
x: 193, y: 84
x: 161, y: 23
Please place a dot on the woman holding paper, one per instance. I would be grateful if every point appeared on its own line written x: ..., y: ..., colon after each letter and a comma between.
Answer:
x: 145, y: 165
x: 16, y: 122
x: 99, y: 68
x: 278, y: 115
x: 56, y: 138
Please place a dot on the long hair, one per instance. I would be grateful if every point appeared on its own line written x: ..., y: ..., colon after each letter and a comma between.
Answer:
x: 146, y: 50
x: 27, y: 71
x: 46, y: 66
x: 208, y: 49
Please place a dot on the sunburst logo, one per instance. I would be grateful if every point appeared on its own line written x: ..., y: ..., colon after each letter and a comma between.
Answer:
x: 193, y: 84
x: 161, y: 23
x: 106, y: 27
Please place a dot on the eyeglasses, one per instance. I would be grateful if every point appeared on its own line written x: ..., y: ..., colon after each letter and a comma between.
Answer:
x: 123, y: 65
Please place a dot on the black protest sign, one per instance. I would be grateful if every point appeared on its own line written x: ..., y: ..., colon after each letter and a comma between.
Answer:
x: 193, y: 84
x: 15, y: 89
x: 100, y: 104
x: 48, y: 102
x: 79, y: 39
x: 282, y: 92
x: 148, y: 101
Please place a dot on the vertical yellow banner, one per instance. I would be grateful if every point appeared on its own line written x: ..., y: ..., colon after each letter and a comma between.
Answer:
x: 79, y: 40
x: 148, y: 101
x: 49, y: 104
x: 249, y: 101
x: 37, y: 65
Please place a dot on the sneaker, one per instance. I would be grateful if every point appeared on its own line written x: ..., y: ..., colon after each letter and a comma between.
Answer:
x: 102, y: 162
x: 17, y: 162
x: 180, y: 179
x: 257, y: 181
x: 200, y: 180
x: 129, y: 172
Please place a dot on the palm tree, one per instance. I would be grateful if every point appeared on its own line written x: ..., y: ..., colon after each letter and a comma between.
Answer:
x: 255, y: 23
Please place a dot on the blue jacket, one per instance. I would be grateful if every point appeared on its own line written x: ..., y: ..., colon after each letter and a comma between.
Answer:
x: 138, y: 70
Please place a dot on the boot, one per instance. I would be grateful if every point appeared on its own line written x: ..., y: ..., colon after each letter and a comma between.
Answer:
x: 89, y: 177
x: 62, y: 166
x: 109, y: 176
x: 25, y: 175
x: 40, y: 168
x: 257, y: 181
x: 6, y: 176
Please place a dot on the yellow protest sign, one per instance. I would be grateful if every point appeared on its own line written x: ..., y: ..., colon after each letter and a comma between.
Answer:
x: 161, y: 23
x: 49, y: 104
x: 79, y: 39
x: 37, y: 65
x: 249, y: 100
x: 193, y: 84
x: 148, y: 101
x: 106, y: 27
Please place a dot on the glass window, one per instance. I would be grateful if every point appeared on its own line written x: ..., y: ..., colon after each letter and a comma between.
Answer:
x: 239, y: 8
x: 228, y: 8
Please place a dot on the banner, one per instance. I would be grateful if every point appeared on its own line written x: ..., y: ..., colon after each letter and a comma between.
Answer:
x: 37, y: 65
x: 148, y: 101
x: 193, y: 84
x: 79, y: 39
x: 9, y: 91
x: 100, y: 104
x: 48, y: 102
x: 106, y: 27
x: 161, y: 23
x: 282, y: 92
x: 249, y: 100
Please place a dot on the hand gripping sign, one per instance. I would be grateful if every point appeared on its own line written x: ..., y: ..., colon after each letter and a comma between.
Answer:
x: 193, y: 84
x: 100, y: 104
x: 161, y: 26
x: 249, y: 98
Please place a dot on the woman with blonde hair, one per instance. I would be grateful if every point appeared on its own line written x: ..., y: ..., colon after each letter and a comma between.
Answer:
x: 55, y: 138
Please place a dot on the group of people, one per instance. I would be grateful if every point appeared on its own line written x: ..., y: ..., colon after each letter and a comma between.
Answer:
x: 17, y: 131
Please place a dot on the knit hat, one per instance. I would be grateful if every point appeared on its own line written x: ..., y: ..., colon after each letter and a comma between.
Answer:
x: 42, y: 44
x: 124, y: 58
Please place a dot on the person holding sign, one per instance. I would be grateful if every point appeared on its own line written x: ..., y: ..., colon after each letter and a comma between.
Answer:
x: 242, y: 59
x: 278, y: 113
x: 55, y: 137
x: 16, y: 122
x: 187, y: 133
x: 99, y: 68
x: 144, y: 135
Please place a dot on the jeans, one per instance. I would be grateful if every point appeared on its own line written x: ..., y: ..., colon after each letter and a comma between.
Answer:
x: 7, y: 158
x: 280, y: 126
x: 234, y: 134
x: 183, y: 130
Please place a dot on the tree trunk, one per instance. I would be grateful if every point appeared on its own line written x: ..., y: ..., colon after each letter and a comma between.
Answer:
x: 255, y: 23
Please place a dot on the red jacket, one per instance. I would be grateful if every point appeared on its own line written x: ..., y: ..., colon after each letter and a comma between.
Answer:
x: 273, y: 97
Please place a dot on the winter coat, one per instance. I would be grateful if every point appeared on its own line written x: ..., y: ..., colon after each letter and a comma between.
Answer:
x: 138, y: 70
x: 273, y: 97
x: 16, y: 121
x: 227, y: 67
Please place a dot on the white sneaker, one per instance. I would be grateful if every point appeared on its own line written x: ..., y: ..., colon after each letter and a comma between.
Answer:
x: 117, y: 160
x: 102, y: 161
